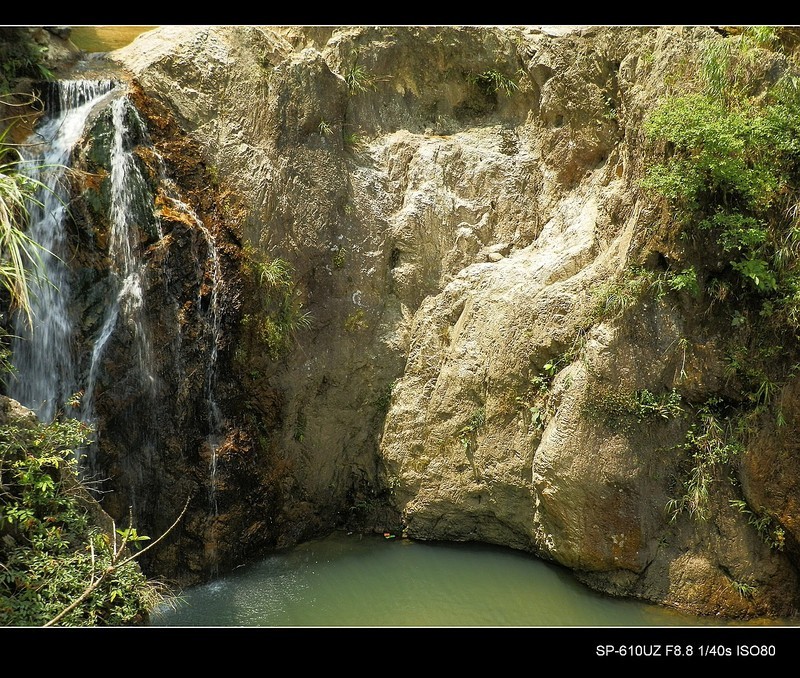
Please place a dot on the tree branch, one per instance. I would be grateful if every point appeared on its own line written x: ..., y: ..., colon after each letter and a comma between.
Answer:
x: 113, y: 567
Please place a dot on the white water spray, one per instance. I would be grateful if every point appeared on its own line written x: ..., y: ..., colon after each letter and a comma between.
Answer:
x: 214, y: 324
x: 127, y: 268
x: 43, y: 361
x: 47, y: 369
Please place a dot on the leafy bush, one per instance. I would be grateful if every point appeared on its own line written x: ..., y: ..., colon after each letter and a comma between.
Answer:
x: 50, y: 549
x: 727, y: 158
x: 733, y: 167
x: 682, y: 281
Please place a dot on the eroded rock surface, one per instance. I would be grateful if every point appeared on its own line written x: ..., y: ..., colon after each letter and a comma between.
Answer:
x: 450, y: 201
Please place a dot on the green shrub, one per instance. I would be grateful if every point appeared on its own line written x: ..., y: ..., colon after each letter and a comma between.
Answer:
x: 621, y: 410
x: 50, y: 550
x: 725, y: 157
x: 682, y: 281
x: 732, y: 168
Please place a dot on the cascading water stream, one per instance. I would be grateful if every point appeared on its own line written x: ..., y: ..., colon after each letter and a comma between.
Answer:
x: 126, y: 266
x: 215, y: 420
x: 214, y: 413
x: 48, y: 372
x: 44, y: 364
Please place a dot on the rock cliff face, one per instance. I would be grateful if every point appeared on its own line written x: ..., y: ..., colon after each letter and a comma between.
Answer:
x: 450, y: 206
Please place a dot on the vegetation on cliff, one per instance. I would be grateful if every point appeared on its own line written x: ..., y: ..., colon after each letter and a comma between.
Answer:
x: 58, y: 563
x: 51, y: 547
x: 731, y: 179
x: 278, y: 312
x: 20, y: 57
x: 17, y: 190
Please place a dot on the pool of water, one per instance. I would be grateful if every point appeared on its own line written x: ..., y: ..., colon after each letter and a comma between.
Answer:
x: 369, y: 581
x: 105, y: 38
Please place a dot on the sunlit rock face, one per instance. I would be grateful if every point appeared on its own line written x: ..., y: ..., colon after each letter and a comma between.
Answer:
x: 450, y: 202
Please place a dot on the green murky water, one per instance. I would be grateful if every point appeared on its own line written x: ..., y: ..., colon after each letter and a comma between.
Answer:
x: 105, y: 38
x: 370, y: 581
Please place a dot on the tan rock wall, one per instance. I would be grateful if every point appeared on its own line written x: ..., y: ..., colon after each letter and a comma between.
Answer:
x: 450, y: 242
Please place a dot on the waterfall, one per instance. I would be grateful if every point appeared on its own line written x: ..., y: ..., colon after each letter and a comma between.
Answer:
x: 214, y: 328
x: 127, y: 268
x: 214, y: 414
x: 43, y: 362
x: 49, y: 369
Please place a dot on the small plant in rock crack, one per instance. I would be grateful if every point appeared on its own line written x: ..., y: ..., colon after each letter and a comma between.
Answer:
x: 492, y: 81
x: 277, y: 315
x: 712, y: 445
x: 534, y: 402
x: 744, y: 589
x: 358, y: 79
x: 770, y: 532
x: 354, y: 140
x: 468, y: 432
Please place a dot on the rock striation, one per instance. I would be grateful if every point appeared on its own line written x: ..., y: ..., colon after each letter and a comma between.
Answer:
x: 450, y: 204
